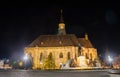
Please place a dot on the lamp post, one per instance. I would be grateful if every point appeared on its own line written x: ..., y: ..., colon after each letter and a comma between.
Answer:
x: 110, y: 60
x: 25, y: 58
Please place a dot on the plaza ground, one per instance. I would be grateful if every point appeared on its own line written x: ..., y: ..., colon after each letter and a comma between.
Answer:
x: 55, y: 73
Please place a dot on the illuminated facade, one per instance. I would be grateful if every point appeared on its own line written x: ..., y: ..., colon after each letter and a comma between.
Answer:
x: 63, y: 48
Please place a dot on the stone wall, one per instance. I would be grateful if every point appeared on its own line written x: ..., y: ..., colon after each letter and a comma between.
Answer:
x: 36, y: 51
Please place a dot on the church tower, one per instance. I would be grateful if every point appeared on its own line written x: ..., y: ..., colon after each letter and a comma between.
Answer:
x: 61, y: 25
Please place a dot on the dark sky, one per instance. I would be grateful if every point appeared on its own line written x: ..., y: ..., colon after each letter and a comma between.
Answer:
x: 20, y: 25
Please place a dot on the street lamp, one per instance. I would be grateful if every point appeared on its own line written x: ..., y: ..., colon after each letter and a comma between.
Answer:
x: 110, y: 60
x: 25, y: 58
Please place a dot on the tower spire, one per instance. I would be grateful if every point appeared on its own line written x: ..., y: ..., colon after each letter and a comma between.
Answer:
x: 61, y: 17
x: 61, y: 25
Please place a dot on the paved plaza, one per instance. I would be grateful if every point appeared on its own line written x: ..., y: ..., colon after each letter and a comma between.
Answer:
x: 63, y: 73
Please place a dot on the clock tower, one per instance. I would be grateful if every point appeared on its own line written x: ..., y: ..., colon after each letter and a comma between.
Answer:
x: 61, y: 25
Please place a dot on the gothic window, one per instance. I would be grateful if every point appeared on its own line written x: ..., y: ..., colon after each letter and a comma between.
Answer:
x: 41, y: 54
x: 79, y: 49
x: 68, y: 55
x: 86, y: 55
x: 50, y: 55
x: 61, y: 55
x: 90, y: 55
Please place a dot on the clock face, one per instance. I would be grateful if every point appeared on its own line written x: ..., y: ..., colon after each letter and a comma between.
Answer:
x: 61, y: 26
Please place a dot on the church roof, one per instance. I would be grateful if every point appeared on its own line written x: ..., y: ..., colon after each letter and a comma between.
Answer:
x: 85, y: 43
x: 55, y: 40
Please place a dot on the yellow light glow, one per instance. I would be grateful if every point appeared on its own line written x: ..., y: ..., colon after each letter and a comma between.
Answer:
x: 20, y: 63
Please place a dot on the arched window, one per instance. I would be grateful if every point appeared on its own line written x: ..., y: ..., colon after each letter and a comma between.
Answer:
x: 61, y: 55
x: 41, y: 55
x: 50, y: 55
x: 90, y: 55
x: 86, y: 55
x: 68, y: 55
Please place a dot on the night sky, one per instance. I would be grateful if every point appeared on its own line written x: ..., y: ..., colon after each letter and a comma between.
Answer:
x: 20, y: 25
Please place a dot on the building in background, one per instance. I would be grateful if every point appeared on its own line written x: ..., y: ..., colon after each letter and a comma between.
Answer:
x: 4, y: 64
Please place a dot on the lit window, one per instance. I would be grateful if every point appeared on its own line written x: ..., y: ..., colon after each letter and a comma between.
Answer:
x: 50, y: 56
x: 86, y: 55
x: 91, y: 55
x: 68, y: 55
x: 61, y: 55
x: 41, y: 54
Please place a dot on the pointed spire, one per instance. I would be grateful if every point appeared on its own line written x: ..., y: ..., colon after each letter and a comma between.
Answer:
x: 61, y: 17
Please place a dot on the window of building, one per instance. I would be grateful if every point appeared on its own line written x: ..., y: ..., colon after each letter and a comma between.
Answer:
x: 68, y: 55
x: 41, y: 54
x: 50, y: 56
x: 61, y: 55
x: 86, y: 55
x: 90, y: 55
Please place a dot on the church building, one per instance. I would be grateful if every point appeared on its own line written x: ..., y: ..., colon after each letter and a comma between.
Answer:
x: 62, y: 49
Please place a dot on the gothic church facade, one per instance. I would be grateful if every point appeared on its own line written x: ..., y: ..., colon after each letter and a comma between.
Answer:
x: 62, y: 47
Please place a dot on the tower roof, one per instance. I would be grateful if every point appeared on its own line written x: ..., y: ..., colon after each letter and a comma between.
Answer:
x: 61, y: 16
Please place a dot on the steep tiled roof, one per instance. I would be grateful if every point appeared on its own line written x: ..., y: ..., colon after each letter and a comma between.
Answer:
x: 55, y: 40
x: 85, y: 43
